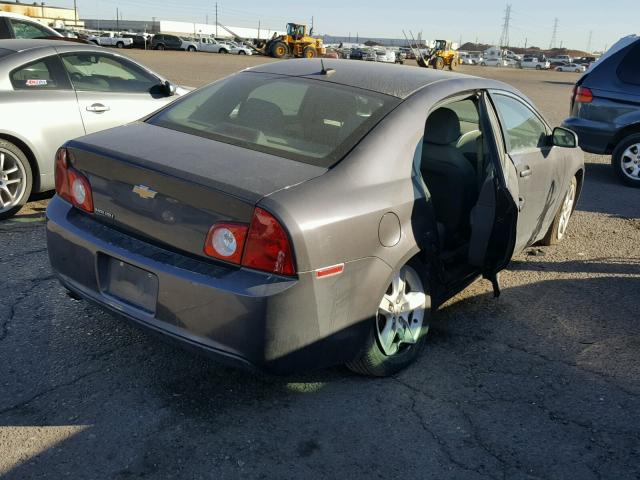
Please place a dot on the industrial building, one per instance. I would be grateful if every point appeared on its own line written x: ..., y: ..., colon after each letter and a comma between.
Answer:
x: 57, y: 17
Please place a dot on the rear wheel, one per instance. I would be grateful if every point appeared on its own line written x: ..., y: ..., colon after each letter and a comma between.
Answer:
x: 119, y: 45
x: 483, y: 64
x: 160, y: 47
x: 453, y: 65
x: 16, y: 179
x: 626, y: 160
x: 538, y: 67
x: 223, y: 51
x: 558, y: 228
x: 191, y: 48
x: 309, y: 52
x: 398, y: 330
x: 242, y: 52
x: 279, y: 50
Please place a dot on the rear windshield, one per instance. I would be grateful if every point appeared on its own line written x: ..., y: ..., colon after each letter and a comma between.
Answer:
x: 306, y: 120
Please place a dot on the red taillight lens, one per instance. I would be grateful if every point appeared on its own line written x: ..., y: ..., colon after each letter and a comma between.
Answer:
x: 71, y: 184
x: 268, y: 245
x: 225, y: 241
x: 583, y: 95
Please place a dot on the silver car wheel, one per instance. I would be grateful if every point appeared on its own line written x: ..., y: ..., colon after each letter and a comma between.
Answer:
x: 567, y: 209
x: 12, y: 180
x: 401, y: 312
x: 630, y: 162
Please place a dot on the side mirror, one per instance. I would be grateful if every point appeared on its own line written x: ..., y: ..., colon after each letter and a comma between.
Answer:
x: 563, y: 137
x: 169, y: 88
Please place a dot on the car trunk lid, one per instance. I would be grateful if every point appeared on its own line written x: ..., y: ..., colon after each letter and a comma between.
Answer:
x: 170, y: 187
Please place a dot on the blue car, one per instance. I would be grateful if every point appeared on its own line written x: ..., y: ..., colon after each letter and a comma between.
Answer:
x: 605, y: 109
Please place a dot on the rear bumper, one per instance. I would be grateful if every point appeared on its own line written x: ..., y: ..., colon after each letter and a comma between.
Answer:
x: 239, y: 316
x: 593, y: 137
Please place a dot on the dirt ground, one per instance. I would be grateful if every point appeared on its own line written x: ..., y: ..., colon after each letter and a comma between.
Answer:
x: 542, y: 383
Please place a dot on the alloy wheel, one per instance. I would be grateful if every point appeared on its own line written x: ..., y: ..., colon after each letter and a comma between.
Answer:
x: 12, y: 180
x: 401, y: 312
x: 630, y: 162
x: 567, y: 209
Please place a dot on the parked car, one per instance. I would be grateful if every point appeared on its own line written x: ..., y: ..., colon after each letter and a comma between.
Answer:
x: 559, y: 59
x: 138, y: 41
x: 13, y: 25
x: 369, y: 55
x: 535, y: 62
x: 205, y: 44
x: 585, y: 60
x: 111, y: 39
x: 52, y: 91
x: 605, y: 109
x: 385, y: 56
x: 494, y: 62
x: 162, y: 41
x: 570, y: 67
x: 334, y: 254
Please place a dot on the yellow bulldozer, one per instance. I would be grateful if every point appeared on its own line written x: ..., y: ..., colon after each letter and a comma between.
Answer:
x: 440, y: 56
x: 296, y: 43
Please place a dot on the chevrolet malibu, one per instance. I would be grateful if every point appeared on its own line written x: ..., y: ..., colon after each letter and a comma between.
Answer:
x: 308, y: 213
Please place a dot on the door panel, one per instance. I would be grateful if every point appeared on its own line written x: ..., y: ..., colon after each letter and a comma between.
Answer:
x: 536, y: 165
x: 494, y: 217
x: 111, y: 90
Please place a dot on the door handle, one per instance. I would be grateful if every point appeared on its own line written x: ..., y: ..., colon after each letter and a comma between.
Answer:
x: 98, y: 108
x: 526, y: 172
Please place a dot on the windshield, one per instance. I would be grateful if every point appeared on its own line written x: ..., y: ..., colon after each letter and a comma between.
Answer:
x: 305, y: 120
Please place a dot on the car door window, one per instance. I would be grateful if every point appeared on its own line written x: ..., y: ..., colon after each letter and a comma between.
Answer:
x: 522, y: 128
x: 105, y: 73
x: 23, y: 29
x: 39, y: 75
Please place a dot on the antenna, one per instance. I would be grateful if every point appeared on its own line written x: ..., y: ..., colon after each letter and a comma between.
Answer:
x: 326, y: 71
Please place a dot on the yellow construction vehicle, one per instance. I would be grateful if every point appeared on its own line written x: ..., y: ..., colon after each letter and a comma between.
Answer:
x: 296, y: 43
x: 440, y: 56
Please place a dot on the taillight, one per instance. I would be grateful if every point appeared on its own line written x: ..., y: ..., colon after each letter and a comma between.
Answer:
x: 225, y: 241
x: 583, y: 95
x: 71, y: 184
x: 262, y: 245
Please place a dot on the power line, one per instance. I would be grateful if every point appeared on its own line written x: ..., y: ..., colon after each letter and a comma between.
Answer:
x: 504, y: 37
x: 554, y: 35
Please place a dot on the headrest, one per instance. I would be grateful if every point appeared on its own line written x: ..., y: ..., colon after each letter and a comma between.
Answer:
x: 443, y: 127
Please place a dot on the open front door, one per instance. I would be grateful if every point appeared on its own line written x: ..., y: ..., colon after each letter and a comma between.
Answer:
x: 494, y: 218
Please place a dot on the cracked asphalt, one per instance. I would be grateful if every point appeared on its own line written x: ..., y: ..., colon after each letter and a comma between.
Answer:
x: 542, y: 383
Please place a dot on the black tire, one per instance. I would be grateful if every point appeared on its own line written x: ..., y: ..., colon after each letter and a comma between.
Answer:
x: 9, y: 149
x: 453, y: 65
x: 438, y: 63
x: 309, y: 52
x: 554, y: 235
x: 223, y: 51
x: 483, y: 64
x: 191, y: 48
x: 160, y: 47
x: 372, y: 361
x: 119, y: 45
x: 279, y: 50
x: 617, y: 159
x: 242, y: 52
x: 538, y: 67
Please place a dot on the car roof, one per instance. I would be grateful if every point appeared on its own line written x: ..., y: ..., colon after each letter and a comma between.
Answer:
x: 388, y: 79
x: 21, y: 45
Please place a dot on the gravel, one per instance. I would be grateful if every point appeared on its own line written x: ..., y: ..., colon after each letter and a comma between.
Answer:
x: 543, y: 382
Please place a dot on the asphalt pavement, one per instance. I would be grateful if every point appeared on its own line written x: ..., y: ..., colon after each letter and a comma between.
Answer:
x: 542, y: 383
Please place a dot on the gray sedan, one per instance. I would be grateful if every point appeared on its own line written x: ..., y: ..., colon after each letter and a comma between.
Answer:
x: 301, y: 214
x: 52, y: 91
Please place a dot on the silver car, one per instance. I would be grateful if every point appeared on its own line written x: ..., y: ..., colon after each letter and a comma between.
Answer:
x: 53, y: 91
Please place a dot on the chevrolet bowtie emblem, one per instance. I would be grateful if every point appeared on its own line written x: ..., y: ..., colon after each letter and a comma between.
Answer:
x: 144, y: 192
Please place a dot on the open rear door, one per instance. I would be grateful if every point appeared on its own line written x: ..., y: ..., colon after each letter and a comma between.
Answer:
x: 494, y: 218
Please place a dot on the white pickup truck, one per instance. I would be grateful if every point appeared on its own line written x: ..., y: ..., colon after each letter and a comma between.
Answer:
x: 111, y: 39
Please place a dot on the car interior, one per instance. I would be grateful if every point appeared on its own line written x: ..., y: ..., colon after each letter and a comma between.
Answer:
x: 454, y: 170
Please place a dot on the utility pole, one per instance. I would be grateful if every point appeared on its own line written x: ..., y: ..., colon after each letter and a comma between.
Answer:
x: 311, y: 24
x: 589, y: 42
x: 525, y: 44
x: 504, y: 37
x: 554, y: 35
x: 216, y: 19
x: 75, y: 13
x: 206, y: 19
x: 117, y: 20
x: 258, y: 29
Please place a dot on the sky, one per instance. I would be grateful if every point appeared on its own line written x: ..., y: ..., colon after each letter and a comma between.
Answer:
x: 531, y: 21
